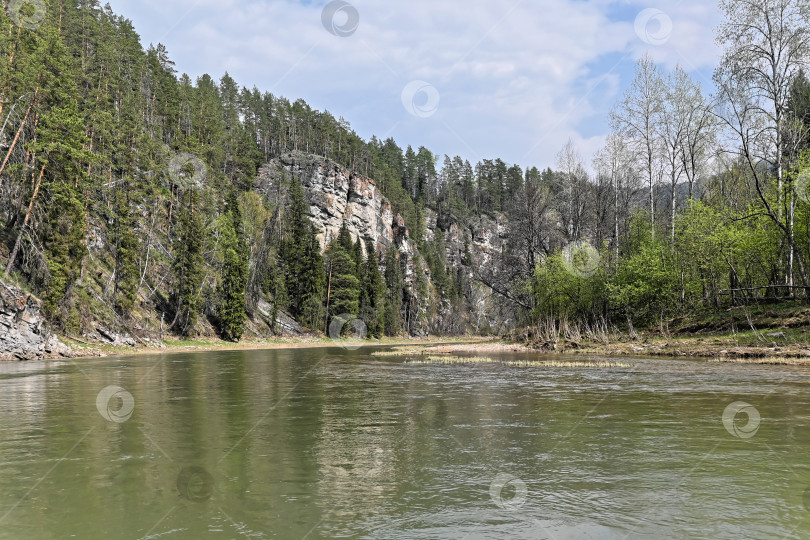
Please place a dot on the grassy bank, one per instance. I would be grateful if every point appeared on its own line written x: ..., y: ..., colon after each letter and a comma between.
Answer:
x: 778, y: 333
x: 715, y: 347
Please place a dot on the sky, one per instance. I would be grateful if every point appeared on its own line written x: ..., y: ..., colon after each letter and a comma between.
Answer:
x: 482, y: 79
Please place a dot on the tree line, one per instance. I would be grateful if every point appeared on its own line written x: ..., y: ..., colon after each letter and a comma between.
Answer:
x: 127, y: 194
x: 698, y: 200
x: 127, y: 189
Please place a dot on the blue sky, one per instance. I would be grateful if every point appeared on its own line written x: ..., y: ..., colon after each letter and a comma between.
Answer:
x: 513, y: 79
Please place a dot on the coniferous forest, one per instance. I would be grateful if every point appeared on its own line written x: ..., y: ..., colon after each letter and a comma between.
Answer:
x: 127, y: 196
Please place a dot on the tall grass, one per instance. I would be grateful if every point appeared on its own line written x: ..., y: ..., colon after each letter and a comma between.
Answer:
x: 551, y: 332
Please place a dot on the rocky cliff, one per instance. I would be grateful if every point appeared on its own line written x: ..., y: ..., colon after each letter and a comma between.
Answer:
x: 472, y: 247
x: 337, y: 195
x: 24, y: 334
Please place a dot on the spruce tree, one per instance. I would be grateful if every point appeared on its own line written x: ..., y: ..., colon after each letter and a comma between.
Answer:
x: 63, y: 239
x: 231, y: 310
x: 313, y: 281
x: 304, y: 279
x: 418, y: 316
x: 357, y: 255
x: 274, y: 285
x: 126, y: 254
x: 438, y: 268
x: 188, y: 268
x: 344, y: 238
x: 293, y: 246
x: 344, y: 285
x: 60, y: 149
x: 364, y: 301
x: 374, y: 293
x: 394, y: 284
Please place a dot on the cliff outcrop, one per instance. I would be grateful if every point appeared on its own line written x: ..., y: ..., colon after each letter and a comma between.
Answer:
x: 337, y: 195
x: 24, y: 333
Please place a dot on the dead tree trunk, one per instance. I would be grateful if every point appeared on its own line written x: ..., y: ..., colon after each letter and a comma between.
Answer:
x: 14, y: 251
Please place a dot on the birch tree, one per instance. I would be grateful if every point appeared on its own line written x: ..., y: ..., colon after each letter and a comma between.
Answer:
x: 574, y: 189
x: 615, y: 161
x: 687, y: 134
x: 673, y: 120
x: 637, y: 118
x: 767, y: 44
x: 699, y: 136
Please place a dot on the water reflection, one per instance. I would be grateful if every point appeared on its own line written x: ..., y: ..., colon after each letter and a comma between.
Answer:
x: 328, y: 442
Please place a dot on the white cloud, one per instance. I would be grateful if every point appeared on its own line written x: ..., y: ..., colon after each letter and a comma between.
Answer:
x: 516, y: 78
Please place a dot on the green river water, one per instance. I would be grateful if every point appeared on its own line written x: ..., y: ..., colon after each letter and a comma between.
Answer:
x: 332, y: 443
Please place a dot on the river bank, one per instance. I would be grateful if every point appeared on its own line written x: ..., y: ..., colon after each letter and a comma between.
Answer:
x: 766, y: 334
x: 778, y: 351
x: 82, y: 349
x: 720, y: 349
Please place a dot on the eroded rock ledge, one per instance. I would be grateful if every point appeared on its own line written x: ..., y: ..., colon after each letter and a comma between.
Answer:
x: 337, y: 195
x: 24, y: 333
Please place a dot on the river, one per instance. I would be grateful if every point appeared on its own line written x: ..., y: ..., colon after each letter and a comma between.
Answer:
x: 333, y: 443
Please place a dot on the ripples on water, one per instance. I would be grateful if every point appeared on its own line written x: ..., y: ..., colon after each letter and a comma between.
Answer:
x: 325, y: 443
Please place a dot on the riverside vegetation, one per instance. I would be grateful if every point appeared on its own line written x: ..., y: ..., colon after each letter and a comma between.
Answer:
x: 129, y: 202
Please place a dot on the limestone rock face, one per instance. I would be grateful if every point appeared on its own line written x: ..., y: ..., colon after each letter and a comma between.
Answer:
x: 335, y: 195
x: 471, y: 247
x: 24, y: 335
x: 481, y: 237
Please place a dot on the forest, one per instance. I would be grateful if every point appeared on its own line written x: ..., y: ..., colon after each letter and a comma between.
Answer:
x: 127, y: 194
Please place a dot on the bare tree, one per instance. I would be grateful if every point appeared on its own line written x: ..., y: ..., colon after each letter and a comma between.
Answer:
x: 673, y: 127
x: 615, y: 162
x: 574, y: 190
x: 532, y: 226
x: 699, y: 135
x: 637, y: 118
x: 767, y: 44
x: 687, y: 134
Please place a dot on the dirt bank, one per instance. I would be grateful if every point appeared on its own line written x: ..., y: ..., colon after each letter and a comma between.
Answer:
x: 82, y: 349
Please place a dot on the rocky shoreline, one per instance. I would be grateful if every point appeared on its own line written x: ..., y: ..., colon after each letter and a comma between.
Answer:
x: 26, y: 336
x: 24, y: 332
